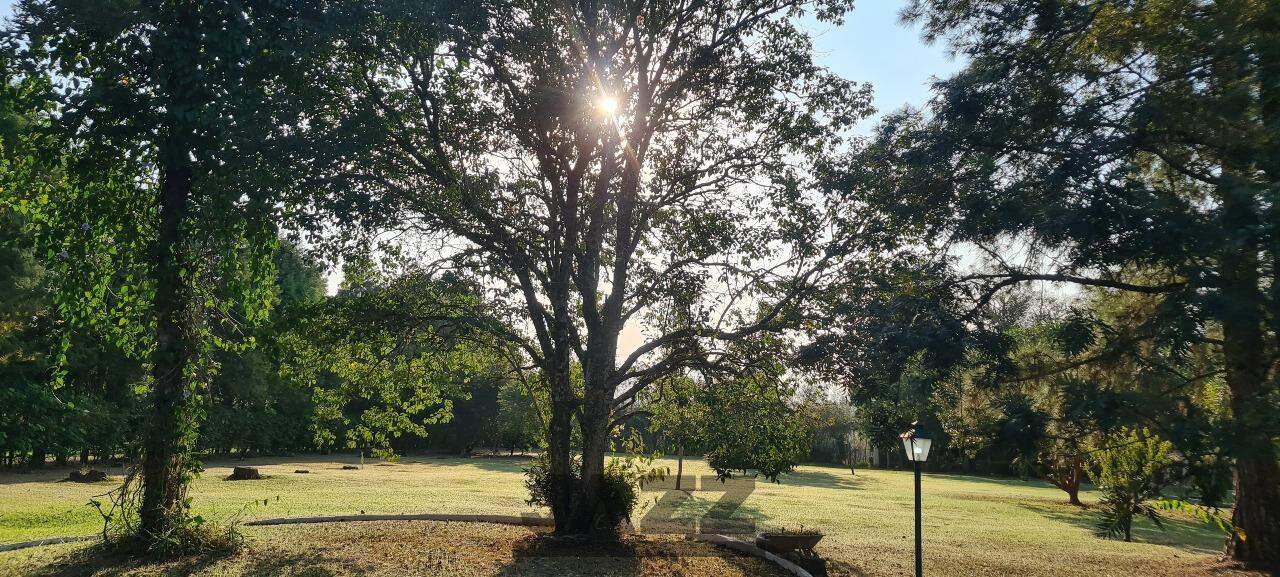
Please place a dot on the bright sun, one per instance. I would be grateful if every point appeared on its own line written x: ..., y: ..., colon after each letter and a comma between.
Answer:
x: 609, y: 105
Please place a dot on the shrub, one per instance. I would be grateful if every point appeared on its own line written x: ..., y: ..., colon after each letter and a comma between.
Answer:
x: 1128, y: 472
x: 619, y: 487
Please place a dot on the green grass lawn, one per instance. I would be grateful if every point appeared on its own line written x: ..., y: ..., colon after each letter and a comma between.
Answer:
x: 972, y: 525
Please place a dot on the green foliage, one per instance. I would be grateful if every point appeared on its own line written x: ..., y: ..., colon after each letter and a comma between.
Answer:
x: 749, y: 424
x: 1129, y: 470
x: 1207, y: 515
x: 252, y: 407
x: 677, y: 411
x: 832, y: 426
x: 620, y: 485
x: 387, y: 354
x: 519, y: 419
x: 93, y: 210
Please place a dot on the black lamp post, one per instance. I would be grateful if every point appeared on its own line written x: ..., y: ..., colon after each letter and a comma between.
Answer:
x: 916, y: 441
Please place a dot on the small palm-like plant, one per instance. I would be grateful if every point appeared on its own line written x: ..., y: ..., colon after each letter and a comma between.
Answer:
x: 1127, y: 469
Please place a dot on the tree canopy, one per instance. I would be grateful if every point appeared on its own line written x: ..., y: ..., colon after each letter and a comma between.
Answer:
x: 1128, y: 146
x: 578, y: 158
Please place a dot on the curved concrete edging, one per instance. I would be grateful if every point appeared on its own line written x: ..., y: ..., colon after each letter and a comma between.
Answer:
x: 720, y: 540
x: 46, y: 541
x: 752, y: 550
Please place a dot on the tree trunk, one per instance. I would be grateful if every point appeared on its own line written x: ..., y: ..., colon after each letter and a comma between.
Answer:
x: 1257, y: 475
x: 1073, y: 496
x: 680, y: 465
x: 589, y: 514
x: 163, y: 449
x: 84, y: 456
x: 680, y: 451
x: 559, y: 434
x: 1069, y: 479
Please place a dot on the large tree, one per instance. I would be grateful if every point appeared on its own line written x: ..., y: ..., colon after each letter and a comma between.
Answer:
x: 160, y: 221
x: 597, y: 163
x: 1088, y: 141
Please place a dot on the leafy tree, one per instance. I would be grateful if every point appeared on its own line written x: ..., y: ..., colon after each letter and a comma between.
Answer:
x: 1087, y: 141
x: 677, y: 411
x: 597, y: 164
x: 94, y: 408
x: 252, y: 407
x: 161, y: 219
x: 749, y: 425
x: 1128, y: 471
x: 890, y: 334
x: 519, y: 420
x: 387, y: 353
x: 832, y: 426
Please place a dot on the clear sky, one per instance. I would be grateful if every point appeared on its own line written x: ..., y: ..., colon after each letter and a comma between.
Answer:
x: 873, y: 46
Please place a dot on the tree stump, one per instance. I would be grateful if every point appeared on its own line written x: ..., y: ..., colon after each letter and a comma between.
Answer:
x: 349, y: 467
x: 301, y: 471
x: 244, y: 474
x: 89, y: 476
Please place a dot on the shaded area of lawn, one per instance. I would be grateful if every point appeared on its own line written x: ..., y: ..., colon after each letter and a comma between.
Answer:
x: 378, y: 549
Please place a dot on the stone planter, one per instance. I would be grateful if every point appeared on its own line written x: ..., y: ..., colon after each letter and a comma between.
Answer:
x: 787, y: 542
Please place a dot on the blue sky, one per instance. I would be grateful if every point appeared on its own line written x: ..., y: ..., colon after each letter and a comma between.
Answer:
x: 872, y: 46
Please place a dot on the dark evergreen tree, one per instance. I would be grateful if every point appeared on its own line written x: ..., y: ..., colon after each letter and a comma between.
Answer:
x: 1124, y: 145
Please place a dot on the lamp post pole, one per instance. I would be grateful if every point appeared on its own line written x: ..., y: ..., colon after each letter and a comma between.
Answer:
x: 919, y: 544
x: 917, y: 442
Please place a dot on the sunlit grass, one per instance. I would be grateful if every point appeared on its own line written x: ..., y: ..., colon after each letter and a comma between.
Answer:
x: 972, y: 525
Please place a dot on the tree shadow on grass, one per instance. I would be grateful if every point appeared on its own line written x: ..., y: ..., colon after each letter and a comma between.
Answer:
x: 335, y: 462
x: 58, y: 474
x: 822, y: 479
x: 310, y: 564
x: 541, y: 555
x: 628, y: 556
x: 106, y: 561
x: 101, y: 561
x: 1002, y: 481
x: 499, y: 464
x: 842, y: 567
x: 1179, y: 533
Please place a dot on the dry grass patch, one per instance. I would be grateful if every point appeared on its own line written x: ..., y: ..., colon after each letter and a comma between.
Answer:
x: 419, y: 548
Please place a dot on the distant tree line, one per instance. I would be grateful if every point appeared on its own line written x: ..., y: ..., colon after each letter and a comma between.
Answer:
x: 259, y: 402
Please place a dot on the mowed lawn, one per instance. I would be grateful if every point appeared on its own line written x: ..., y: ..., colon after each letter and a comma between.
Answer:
x: 972, y: 525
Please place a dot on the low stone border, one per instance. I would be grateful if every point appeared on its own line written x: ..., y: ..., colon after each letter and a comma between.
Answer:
x: 48, y: 541
x: 529, y: 521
